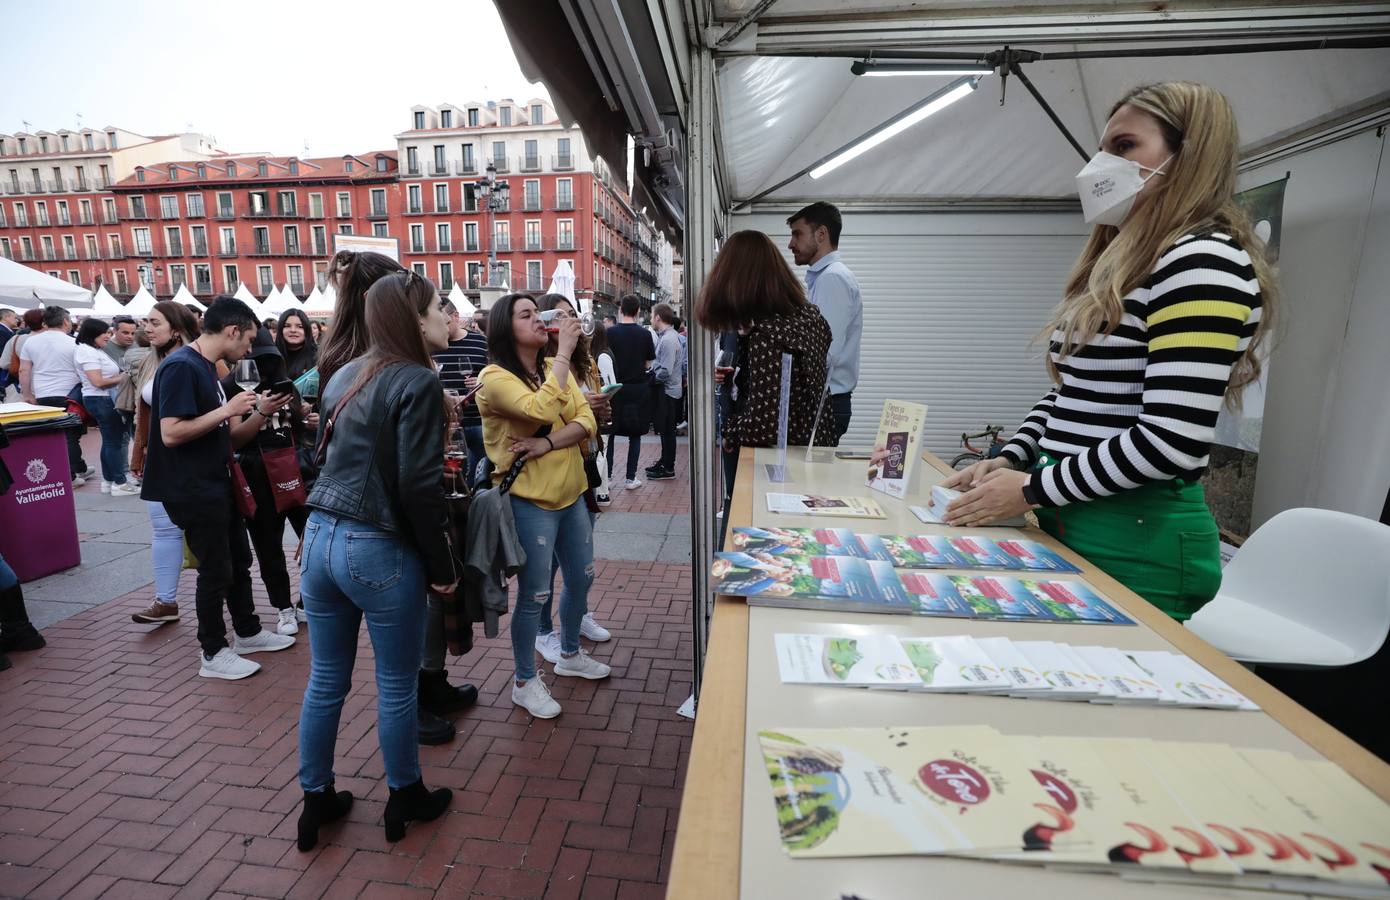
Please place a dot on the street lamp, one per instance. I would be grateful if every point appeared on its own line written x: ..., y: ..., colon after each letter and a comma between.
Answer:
x: 495, y: 197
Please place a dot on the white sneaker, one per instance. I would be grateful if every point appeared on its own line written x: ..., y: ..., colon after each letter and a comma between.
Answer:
x: 633, y: 484
x: 287, y: 624
x: 300, y: 616
x: 132, y: 479
x: 582, y: 665
x: 593, y: 630
x: 548, y: 646
x: 105, y: 486
x: 228, y: 665
x: 535, y: 698
x: 125, y: 490
x: 78, y: 481
x: 261, y: 642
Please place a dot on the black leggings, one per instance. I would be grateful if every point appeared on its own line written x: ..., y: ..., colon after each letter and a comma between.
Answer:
x: 267, y: 532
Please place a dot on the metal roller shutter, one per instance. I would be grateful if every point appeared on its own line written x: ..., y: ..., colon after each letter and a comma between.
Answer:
x: 951, y: 305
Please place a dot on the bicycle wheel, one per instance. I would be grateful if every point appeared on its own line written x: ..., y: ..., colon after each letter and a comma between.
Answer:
x: 964, y: 460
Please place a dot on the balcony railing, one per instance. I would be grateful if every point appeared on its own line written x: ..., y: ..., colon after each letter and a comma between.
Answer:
x: 225, y: 212
x: 414, y: 209
x: 34, y: 186
x: 204, y: 287
x: 175, y: 248
x: 417, y: 246
x: 69, y: 253
x: 501, y: 165
x: 42, y: 220
x: 85, y: 220
x: 535, y: 284
x: 64, y: 219
x: 502, y: 245
x: 289, y: 212
x: 562, y: 162
x: 200, y: 248
x: 260, y: 248
x: 464, y: 167
x: 563, y: 243
x: 530, y: 163
x: 92, y: 255
x: 266, y: 287
x: 169, y: 213
x: 21, y: 221
x: 470, y: 246
x: 531, y: 204
x: 378, y: 212
x: 441, y: 207
x: 292, y: 249
x: 342, y: 212
x: 14, y: 187
x: 320, y: 248
x: 228, y: 248
x: 439, y: 169
x: 110, y: 219
x: 443, y: 247
x: 413, y: 171
x: 563, y: 204
x: 55, y: 185
x: 139, y: 215
x: 316, y: 213
x: 26, y: 255
x: 533, y: 246
x: 81, y: 185
x: 196, y: 213
x: 48, y: 254
x: 297, y: 288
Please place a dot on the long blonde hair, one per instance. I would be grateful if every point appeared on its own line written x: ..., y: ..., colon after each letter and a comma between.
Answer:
x: 1195, y: 194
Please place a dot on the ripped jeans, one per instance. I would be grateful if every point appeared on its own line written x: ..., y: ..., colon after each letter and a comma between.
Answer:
x: 545, y: 534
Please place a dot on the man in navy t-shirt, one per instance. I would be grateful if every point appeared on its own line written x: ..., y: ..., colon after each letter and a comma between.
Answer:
x: 193, y: 427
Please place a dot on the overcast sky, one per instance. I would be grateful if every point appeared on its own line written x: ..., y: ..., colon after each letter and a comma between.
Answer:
x: 258, y: 75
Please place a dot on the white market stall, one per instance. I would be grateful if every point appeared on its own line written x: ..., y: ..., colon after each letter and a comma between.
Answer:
x: 321, y: 303
x: 184, y: 297
x: 103, y: 304
x: 243, y: 293
x: 140, y: 305
x: 24, y: 288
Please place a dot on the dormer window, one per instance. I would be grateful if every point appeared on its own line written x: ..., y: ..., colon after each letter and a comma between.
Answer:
x: 87, y: 142
x: 473, y: 117
x: 347, y: 165
x: 262, y: 169
x: 504, y: 116
x: 139, y: 174
x: 419, y: 121
x: 202, y: 171
x: 22, y: 147
x: 537, y: 114
x: 446, y: 118
x: 381, y: 163
x: 294, y: 167
x: 173, y: 173
x: 110, y: 140
x: 43, y: 145
x: 65, y: 143
x: 231, y: 169
x: 2, y: 146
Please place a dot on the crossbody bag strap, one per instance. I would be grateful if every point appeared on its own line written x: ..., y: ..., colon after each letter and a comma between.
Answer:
x: 321, y: 451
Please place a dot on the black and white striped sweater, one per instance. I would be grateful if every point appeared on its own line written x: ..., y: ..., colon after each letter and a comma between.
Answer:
x: 1140, y: 404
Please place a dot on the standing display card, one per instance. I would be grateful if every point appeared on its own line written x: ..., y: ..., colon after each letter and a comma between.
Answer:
x: 897, y: 447
x: 819, y: 505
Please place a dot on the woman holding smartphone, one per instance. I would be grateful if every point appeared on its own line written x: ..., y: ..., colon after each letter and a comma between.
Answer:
x: 1162, y: 324
x: 523, y: 395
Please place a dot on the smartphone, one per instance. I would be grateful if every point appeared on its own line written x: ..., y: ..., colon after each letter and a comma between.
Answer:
x: 611, y: 388
x: 283, y: 386
x: 853, y: 454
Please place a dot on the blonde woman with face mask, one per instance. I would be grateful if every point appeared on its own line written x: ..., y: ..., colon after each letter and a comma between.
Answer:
x: 1163, y: 322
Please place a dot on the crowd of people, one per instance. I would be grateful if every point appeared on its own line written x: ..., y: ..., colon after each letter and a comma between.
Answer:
x: 347, y: 434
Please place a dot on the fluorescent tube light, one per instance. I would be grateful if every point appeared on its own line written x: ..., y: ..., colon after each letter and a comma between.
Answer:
x: 896, y: 127
x: 895, y: 73
x: 891, y: 69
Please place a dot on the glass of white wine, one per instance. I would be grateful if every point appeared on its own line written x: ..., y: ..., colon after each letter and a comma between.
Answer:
x: 247, y: 376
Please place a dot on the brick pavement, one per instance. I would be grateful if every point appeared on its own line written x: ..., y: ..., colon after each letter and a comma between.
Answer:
x: 124, y: 774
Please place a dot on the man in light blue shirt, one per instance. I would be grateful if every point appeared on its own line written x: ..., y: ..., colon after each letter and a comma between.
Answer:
x: 835, y: 292
x: 666, y: 375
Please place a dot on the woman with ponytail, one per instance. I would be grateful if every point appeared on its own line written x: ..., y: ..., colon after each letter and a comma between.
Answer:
x: 1163, y: 322
x: 351, y: 274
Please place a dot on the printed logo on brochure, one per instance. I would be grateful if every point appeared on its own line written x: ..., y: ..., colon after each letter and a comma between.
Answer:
x: 955, y: 781
x: 1057, y: 789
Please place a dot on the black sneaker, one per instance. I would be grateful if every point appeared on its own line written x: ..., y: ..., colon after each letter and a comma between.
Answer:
x: 433, y: 730
x: 661, y: 474
x: 440, y: 697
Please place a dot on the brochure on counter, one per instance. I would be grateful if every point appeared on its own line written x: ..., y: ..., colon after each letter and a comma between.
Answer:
x: 821, y: 505
x: 1157, y: 811
x: 1046, y: 670
x: 924, y: 551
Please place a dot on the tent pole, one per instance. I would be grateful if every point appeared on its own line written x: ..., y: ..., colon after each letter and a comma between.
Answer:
x: 1014, y: 68
x: 700, y: 237
x: 748, y: 18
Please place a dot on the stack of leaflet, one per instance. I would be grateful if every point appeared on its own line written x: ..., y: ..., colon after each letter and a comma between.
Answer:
x: 941, y: 497
x: 835, y: 569
x: 1199, y: 815
x: 961, y: 663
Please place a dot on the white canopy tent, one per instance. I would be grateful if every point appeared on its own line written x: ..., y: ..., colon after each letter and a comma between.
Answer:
x: 461, y: 301
x: 562, y: 282
x: 280, y: 301
x: 243, y: 293
x: 141, y: 304
x: 103, y: 304
x: 321, y: 303
x: 24, y: 288
x: 184, y: 297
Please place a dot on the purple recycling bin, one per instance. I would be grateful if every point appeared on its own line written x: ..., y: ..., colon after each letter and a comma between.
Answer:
x: 38, y: 519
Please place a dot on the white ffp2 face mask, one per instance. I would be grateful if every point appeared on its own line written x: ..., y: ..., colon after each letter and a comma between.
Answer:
x: 1108, y: 185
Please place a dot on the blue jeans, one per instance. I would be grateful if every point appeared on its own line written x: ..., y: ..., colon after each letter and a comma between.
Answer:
x: 473, y: 442
x: 547, y: 534
x: 166, y: 553
x: 349, y: 569
x: 113, y: 463
x: 545, y: 625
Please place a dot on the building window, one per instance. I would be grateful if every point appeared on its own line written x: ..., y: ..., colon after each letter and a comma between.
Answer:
x: 440, y: 166
x: 532, y: 157
x: 419, y: 269
x: 320, y: 236
x: 502, y: 236
x: 316, y: 206
x: 446, y: 277
x: 533, y: 275
x: 345, y: 206
x: 470, y: 237
x: 475, y: 271
x: 173, y: 239
x: 291, y: 240
x: 198, y: 234
x: 122, y: 286
x: 564, y: 193
x: 194, y: 202
x: 533, y: 235
x: 231, y: 169
x: 537, y: 114
x: 417, y: 238
x: 65, y: 149
x: 345, y: 229
x: 260, y: 203
x: 287, y: 204
x: 87, y: 142
x: 43, y: 145
x: 113, y: 243
x: 412, y: 161
x: 419, y: 121
x: 260, y: 237
x: 26, y: 247
x: 226, y: 209
x: 47, y: 244
x: 441, y: 198
x: 531, y: 201
x: 93, y: 252
x: 446, y: 118
x: 64, y: 216
x: 563, y: 157
x: 137, y: 207
x: 178, y: 275
x: 379, y: 199
x: 228, y: 241
x: 296, y: 278
x: 141, y: 236
x: 108, y: 205
x: 230, y: 280
x: 499, y: 154
x: 504, y: 116
x: 262, y: 169
x: 202, y: 170
x: 202, y: 279
x: 470, y: 197
x: 443, y: 237
x: 472, y: 122
x: 139, y: 175
x: 412, y: 199
x: 69, y: 247
x: 173, y: 173
x: 347, y: 165
x: 381, y: 229
x: 168, y: 207
x: 294, y: 167
x: 265, y: 279
x: 21, y: 215
x: 504, y: 272
x: 381, y: 163
x: 469, y: 164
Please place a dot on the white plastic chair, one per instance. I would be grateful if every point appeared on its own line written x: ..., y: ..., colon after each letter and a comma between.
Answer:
x: 1311, y: 587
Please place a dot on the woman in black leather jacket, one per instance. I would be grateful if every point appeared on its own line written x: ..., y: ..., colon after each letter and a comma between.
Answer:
x: 375, y: 539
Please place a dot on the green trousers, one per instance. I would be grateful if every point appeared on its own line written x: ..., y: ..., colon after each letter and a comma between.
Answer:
x: 1159, y: 540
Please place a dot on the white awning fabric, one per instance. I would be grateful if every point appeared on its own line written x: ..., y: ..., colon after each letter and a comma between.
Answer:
x: 24, y: 288
x: 184, y: 297
x: 103, y: 304
x: 141, y: 304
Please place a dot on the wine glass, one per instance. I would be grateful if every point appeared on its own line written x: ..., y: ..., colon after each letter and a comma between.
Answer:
x: 247, y: 376
x: 586, y: 324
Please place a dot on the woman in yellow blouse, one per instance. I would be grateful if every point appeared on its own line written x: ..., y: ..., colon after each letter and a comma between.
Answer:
x: 522, y: 394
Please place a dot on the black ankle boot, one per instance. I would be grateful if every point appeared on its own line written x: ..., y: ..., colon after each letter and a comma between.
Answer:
x: 15, y: 631
x: 413, y: 803
x: 440, y: 697
x: 320, y: 808
x: 4, y: 662
x: 433, y: 730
